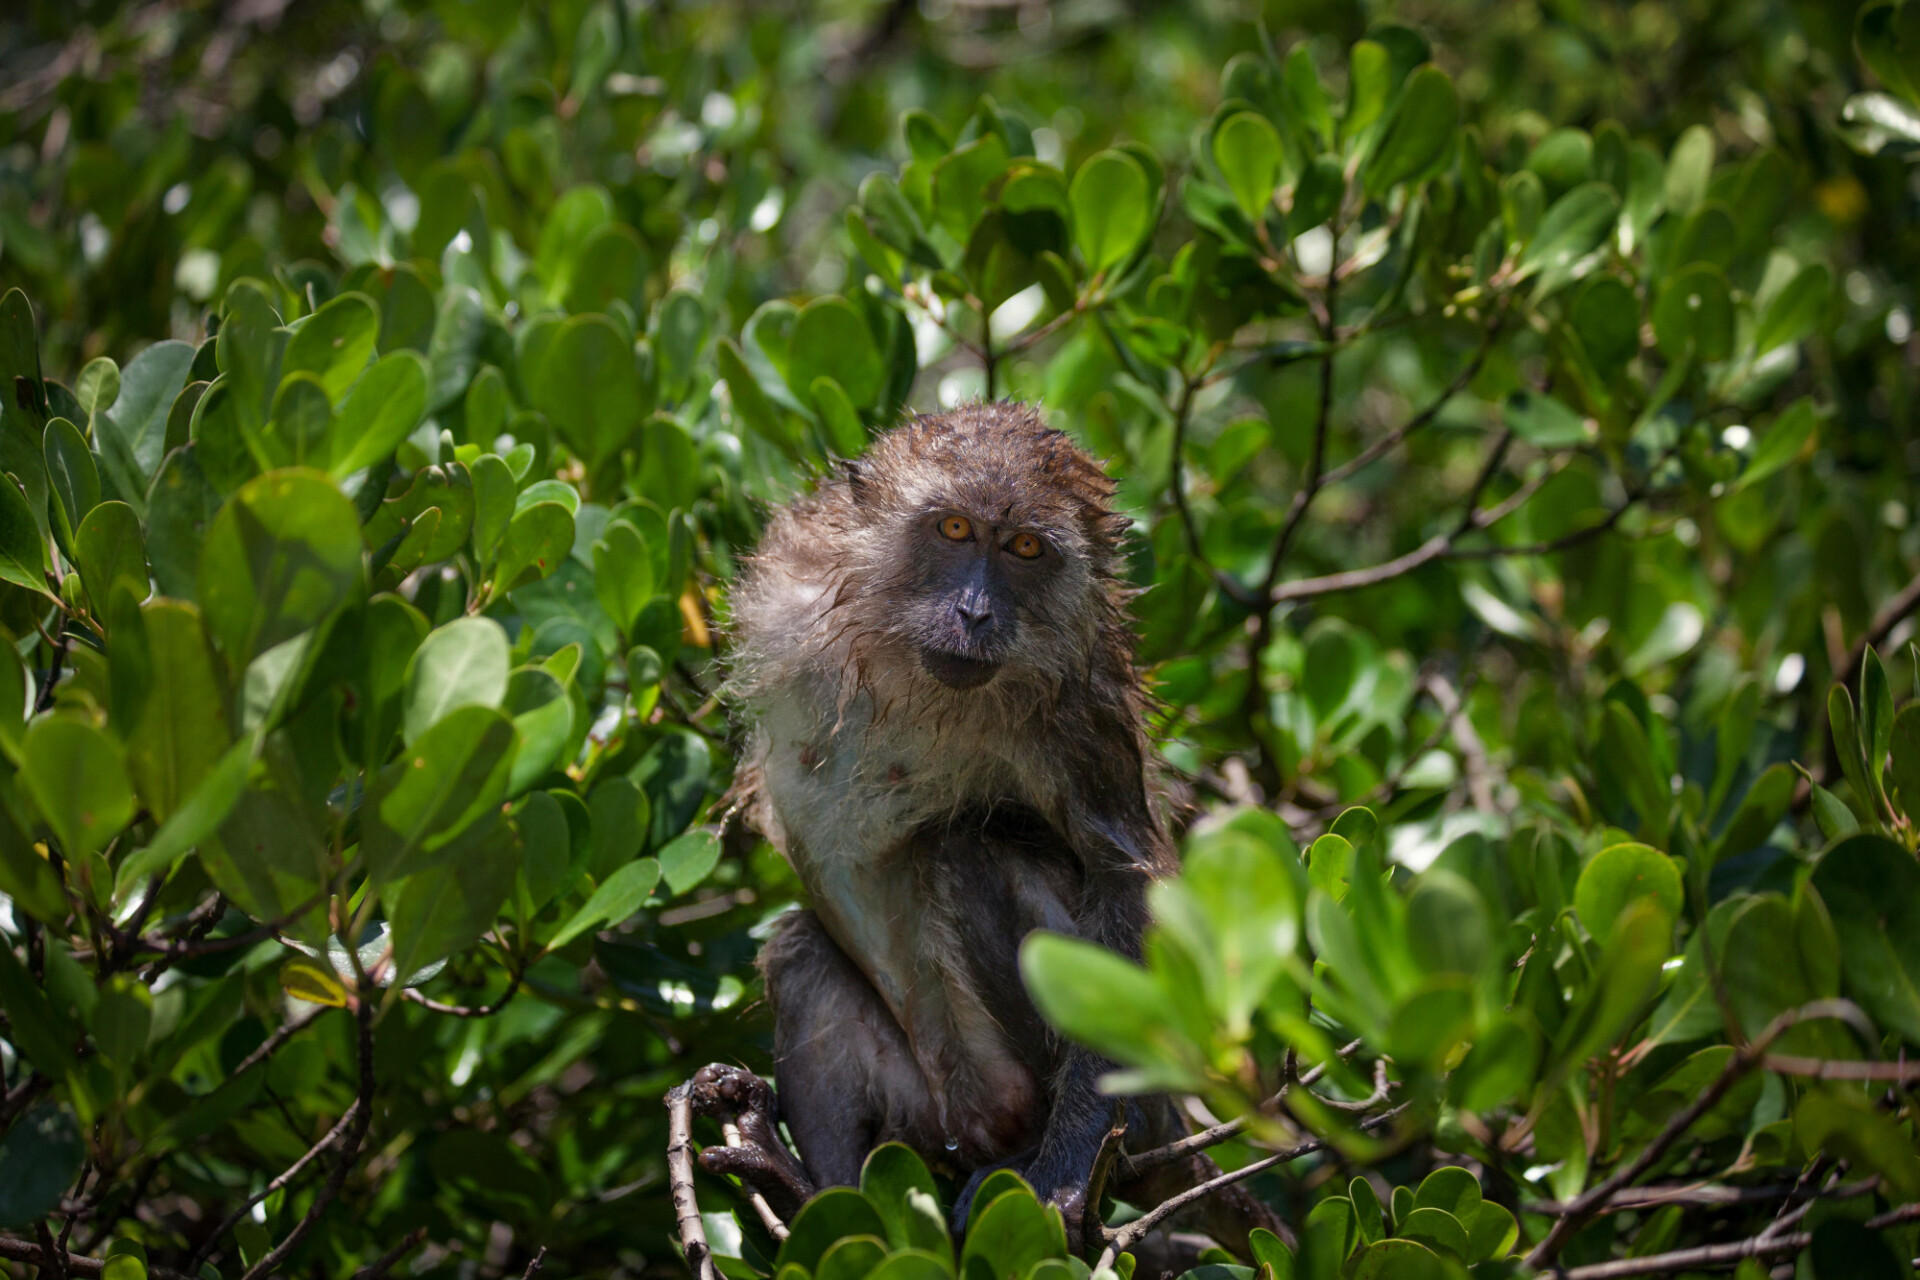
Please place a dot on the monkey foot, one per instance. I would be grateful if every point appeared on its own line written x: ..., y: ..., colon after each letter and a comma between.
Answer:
x: 761, y: 1161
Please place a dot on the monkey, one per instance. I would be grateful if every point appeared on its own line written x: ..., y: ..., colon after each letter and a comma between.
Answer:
x: 945, y: 735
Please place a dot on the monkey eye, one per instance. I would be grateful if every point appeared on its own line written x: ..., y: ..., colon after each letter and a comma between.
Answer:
x: 956, y: 528
x: 1026, y: 545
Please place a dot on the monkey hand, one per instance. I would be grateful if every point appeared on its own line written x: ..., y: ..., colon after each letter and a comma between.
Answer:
x: 761, y: 1161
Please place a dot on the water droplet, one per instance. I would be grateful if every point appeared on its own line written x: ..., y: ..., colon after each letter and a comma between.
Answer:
x: 953, y: 1144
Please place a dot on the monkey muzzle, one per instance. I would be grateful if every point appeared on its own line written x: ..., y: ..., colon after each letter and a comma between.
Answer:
x: 957, y: 670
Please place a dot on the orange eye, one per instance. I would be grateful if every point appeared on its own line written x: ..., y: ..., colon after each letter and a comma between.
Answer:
x: 1026, y: 546
x: 956, y: 528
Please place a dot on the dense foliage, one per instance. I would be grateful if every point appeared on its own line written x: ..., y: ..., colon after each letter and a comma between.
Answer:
x: 1514, y: 405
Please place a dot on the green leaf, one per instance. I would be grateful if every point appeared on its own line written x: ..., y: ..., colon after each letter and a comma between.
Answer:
x: 833, y: 1215
x: 622, y: 573
x: 98, y: 386
x: 454, y: 352
x: 1419, y: 136
x: 435, y: 913
x: 39, y: 1159
x: 688, y: 859
x: 71, y: 476
x: 132, y: 435
x: 384, y: 408
x: 282, y: 557
x: 449, y: 778
x: 1575, y: 225
x: 1905, y: 764
x: 618, y: 897
x: 1112, y: 208
x: 1784, y: 440
x: 851, y: 1258
x: 536, y: 543
x: 1009, y: 1236
x: 1795, y: 311
x: 197, y: 818
x: 1108, y: 1004
x: 1872, y: 888
x: 1546, y: 421
x: 335, y: 343
x: 1248, y: 153
x: 1626, y: 977
x: 1619, y: 875
x: 890, y: 1171
x: 1606, y: 315
x: 1437, y: 1229
x: 1491, y: 1232
x: 23, y: 551
x: 830, y: 339
x: 621, y: 817
x: 111, y: 554
x: 1689, y: 169
x: 1844, y: 1124
x: 574, y: 215
x: 493, y: 504
x: 463, y: 664
x: 589, y: 388
x: 1368, y: 1216
x: 961, y: 182
x: 1694, y: 314
x: 180, y: 734
x: 77, y: 777
x: 543, y: 717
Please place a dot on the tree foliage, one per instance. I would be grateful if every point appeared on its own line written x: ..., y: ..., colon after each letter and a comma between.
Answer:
x: 1514, y: 412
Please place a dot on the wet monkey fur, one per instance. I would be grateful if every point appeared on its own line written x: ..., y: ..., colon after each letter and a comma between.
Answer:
x: 945, y: 738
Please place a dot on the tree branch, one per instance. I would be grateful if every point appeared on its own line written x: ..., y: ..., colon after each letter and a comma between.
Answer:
x: 271, y: 1045
x: 464, y: 1011
x: 349, y: 1152
x: 1120, y: 1239
x: 14, y: 1249
x: 285, y: 1178
x: 686, y: 1208
x: 381, y: 1265
x: 1172, y: 1152
x: 1590, y: 1203
x: 1888, y: 616
x: 1710, y: 1255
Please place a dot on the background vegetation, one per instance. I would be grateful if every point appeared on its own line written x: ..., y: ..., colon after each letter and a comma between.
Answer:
x: 1515, y: 405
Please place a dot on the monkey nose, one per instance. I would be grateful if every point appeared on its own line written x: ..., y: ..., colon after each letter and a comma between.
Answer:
x: 974, y: 614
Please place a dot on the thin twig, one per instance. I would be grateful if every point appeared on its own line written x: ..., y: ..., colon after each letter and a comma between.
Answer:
x: 1712, y: 1194
x: 1711, y: 1255
x: 1120, y: 1239
x: 686, y: 1207
x: 1885, y: 619
x: 536, y: 1266
x: 768, y: 1218
x: 349, y: 1152
x: 14, y: 1249
x: 464, y: 1011
x: 285, y: 1178
x: 1213, y: 1136
x: 381, y: 1265
x: 271, y: 1045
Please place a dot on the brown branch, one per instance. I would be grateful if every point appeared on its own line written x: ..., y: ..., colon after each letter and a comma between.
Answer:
x: 686, y: 1207
x: 1120, y: 1239
x: 1710, y: 1255
x: 768, y: 1218
x: 1213, y: 1136
x: 14, y: 1249
x: 1709, y: 1194
x: 1479, y: 768
x: 53, y: 1257
x: 285, y: 1178
x: 349, y: 1152
x: 271, y: 1045
x: 1841, y: 1069
x: 1182, y: 414
x: 537, y: 1265
x: 1888, y: 616
x: 464, y: 1011
x: 1591, y: 1202
x: 381, y: 1265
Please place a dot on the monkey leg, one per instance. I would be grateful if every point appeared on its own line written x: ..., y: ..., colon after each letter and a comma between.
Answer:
x: 761, y: 1161
x: 847, y: 1078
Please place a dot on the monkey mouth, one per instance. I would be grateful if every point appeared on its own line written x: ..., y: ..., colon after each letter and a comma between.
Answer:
x: 957, y: 670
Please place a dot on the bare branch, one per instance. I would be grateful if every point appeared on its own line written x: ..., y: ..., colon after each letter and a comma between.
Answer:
x: 686, y: 1208
x: 1714, y: 1194
x: 1888, y: 616
x: 768, y: 1218
x: 1711, y: 1255
x: 285, y: 1178
x: 14, y: 1249
x: 349, y: 1152
x: 536, y: 1266
x: 271, y: 1045
x: 1120, y: 1239
x: 381, y: 1265
x: 465, y: 1011
x: 1213, y: 1136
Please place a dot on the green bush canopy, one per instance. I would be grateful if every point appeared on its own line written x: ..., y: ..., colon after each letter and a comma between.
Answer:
x: 1515, y: 410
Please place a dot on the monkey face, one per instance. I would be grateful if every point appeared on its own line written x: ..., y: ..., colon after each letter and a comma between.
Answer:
x: 981, y: 591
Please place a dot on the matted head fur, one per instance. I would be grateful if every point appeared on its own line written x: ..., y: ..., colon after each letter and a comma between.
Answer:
x: 967, y: 561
